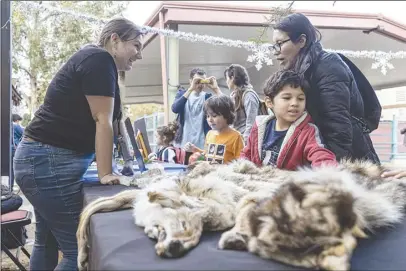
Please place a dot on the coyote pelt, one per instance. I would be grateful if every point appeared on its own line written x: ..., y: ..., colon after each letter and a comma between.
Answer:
x: 308, y: 218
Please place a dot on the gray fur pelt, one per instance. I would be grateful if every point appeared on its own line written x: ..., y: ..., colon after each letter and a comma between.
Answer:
x: 308, y: 217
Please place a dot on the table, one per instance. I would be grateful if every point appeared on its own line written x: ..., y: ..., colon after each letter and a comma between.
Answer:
x: 116, y: 243
x: 91, y: 177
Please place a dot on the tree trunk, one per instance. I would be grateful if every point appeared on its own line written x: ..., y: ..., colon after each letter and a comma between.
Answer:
x: 34, y: 94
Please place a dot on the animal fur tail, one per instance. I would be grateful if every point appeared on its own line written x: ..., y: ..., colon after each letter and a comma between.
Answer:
x: 122, y: 200
x: 364, y: 168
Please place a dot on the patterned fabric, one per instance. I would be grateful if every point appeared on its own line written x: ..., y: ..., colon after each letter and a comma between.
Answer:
x: 272, y: 144
x: 223, y: 147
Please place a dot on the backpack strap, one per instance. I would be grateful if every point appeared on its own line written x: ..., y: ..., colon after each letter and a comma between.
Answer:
x: 262, y: 109
x: 250, y: 90
x: 179, y: 154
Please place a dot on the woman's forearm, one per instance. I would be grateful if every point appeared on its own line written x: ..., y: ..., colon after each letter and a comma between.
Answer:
x: 104, y: 148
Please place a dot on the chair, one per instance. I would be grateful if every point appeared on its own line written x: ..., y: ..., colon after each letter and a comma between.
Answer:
x: 15, y: 219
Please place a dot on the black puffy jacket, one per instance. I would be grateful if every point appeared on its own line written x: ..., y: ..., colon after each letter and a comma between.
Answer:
x: 336, y: 105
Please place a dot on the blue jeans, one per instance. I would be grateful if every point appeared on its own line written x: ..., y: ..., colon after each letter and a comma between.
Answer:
x: 50, y: 178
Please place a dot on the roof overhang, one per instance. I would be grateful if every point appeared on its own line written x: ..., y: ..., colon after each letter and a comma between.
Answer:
x: 340, y: 30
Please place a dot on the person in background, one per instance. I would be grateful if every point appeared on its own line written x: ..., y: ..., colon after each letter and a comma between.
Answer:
x: 223, y: 143
x: 188, y: 105
x: 333, y: 96
x: 246, y: 100
x: 164, y: 136
x: 289, y: 139
x: 17, y: 132
x: 75, y: 123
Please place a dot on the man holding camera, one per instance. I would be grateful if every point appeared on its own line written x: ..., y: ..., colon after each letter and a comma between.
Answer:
x: 189, y: 104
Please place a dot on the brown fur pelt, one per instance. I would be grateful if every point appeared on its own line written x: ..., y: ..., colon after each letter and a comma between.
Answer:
x: 309, y: 218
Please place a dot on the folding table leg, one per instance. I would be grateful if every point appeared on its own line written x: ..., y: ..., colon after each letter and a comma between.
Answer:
x: 25, y: 252
x: 19, y: 244
x: 14, y: 259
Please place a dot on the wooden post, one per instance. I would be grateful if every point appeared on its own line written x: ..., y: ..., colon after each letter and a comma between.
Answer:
x: 164, y: 69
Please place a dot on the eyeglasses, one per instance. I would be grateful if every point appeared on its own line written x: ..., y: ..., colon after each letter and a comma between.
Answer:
x: 277, y: 46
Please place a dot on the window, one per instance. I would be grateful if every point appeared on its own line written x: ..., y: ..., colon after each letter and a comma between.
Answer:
x: 401, y: 95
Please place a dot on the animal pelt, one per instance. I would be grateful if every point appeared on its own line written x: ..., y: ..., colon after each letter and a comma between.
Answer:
x: 309, y: 218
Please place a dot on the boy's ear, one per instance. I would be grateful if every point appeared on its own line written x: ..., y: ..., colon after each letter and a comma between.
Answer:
x: 268, y: 102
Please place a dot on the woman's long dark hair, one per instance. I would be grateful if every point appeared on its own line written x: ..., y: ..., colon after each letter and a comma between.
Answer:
x: 241, y: 81
x: 296, y: 25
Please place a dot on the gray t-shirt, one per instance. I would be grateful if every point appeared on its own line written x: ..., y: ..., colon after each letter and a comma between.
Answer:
x: 193, y: 130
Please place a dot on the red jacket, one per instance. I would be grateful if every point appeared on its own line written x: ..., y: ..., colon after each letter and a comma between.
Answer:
x: 301, y: 146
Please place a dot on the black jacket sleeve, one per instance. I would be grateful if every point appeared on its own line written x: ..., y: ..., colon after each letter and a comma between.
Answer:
x: 333, y: 82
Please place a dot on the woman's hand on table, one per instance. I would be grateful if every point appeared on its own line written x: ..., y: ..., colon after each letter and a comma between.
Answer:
x: 112, y: 179
x: 396, y: 174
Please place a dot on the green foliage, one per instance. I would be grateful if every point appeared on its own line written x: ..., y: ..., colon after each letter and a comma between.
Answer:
x: 136, y: 111
x: 275, y: 15
x: 26, y: 120
x: 42, y: 40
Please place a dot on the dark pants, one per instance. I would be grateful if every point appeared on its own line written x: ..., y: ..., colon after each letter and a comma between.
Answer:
x: 50, y: 178
x: 11, y: 180
x: 11, y: 204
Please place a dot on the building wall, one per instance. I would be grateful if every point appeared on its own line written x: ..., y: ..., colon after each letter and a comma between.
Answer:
x: 393, y: 97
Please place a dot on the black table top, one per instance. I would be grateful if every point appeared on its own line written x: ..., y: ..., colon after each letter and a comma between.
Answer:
x: 116, y: 243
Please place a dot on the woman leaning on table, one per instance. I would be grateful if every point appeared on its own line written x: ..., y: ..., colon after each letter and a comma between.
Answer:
x: 75, y: 123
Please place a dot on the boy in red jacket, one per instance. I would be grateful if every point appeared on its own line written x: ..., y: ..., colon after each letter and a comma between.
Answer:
x: 287, y: 139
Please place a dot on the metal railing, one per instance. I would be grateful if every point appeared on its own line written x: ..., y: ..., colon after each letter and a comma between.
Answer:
x: 387, y: 140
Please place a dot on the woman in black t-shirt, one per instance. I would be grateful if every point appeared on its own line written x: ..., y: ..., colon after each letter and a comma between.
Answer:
x: 75, y: 122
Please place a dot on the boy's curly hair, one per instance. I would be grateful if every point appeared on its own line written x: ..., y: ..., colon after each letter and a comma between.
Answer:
x: 277, y: 81
x: 221, y: 105
x: 167, y: 133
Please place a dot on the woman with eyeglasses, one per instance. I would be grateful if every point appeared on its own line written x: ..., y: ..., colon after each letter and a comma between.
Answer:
x: 333, y: 98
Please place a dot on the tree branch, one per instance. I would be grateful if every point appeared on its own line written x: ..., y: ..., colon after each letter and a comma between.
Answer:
x: 27, y: 71
x: 48, y: 16
x: 18, y: 53
x: 276, y: 14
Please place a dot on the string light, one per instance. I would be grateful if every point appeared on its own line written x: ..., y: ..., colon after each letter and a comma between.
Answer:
x: 260, y: 53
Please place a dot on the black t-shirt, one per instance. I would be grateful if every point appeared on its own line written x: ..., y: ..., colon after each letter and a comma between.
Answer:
x: 65, y: 119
